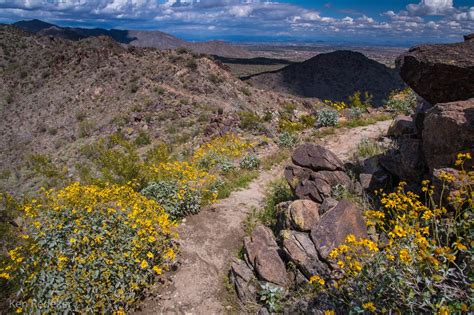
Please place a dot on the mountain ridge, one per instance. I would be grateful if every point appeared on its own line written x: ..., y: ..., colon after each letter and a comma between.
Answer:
x: 154, y: 39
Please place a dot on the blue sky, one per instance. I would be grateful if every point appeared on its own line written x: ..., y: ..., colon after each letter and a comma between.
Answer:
x: 363, y: 21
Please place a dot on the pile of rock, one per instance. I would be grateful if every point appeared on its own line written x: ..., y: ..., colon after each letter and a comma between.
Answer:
x: 306, y: 231
x: 443, y: 124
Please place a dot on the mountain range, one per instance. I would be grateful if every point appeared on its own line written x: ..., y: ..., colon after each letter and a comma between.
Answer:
x: 155, y: 39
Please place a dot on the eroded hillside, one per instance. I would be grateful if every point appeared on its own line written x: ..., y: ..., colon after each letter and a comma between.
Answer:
x: 57, y: 95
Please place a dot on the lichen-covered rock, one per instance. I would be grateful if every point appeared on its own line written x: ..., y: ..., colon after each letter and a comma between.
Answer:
x: 440, y: 73
x: 299, y: 249
x: 304, y: 214
x: 244, y: 281
x: 448, y: 130
x: 335, y: 225
x: 316, y: 158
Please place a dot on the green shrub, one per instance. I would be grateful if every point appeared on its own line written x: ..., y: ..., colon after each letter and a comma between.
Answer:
x: 287, y: 140
x: 355, y: 113
x: 86, y: 128
x: 327, y: 117
x: 192, y: 64
x: 286, y: 125
x: 142, y: 139
x: 308, y: 120
x: 402, y: 102
x: 270, y: 295
x: 250, y: 162
x: 88, y: 248
x: 178, y: 201
x: 367, y: 148
x: 356, y: 101
x: 250, y: 121
x: 42, y: 165
x: 115, y: 160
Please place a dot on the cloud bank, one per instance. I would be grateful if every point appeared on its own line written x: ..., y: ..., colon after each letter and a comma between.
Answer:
x: 428, y: 19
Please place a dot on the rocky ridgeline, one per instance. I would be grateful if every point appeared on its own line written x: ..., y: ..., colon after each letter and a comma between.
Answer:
x: 443, y: 123
x: 307, y: 229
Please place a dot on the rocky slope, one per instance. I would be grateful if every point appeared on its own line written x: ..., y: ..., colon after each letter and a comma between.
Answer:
x: 155, y: 39
x: 334, y: 76
x: 57, y: 95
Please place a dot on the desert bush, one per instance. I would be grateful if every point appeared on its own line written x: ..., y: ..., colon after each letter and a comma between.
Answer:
x: 177, y: 200
x: 424, y: 264
x: 86, y: 128
x: 220, y: 150
x: 9, y: 238
x: 286, y: 125
x: 115, y: 160
x: 250, y: 162
x: 89, y: 248
x: 367, y: 148
x: 142, y: 139
x: 193, y: 183
x: 287, y: 140
x: 158, y: 153
x: 402, y: 102
x: 270, y: 296
x: 307, y: 120
x: 192, y: 64
x: 214, y: 78
x: 355, y: 101
x: 327, y: 117
x: 251, y: 121
x: 335, y: 105
x: 42, y: 165
x: 355, y: 113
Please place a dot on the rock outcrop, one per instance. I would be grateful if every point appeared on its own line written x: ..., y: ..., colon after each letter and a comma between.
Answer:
x: 448, y: 130
x: 440, y: 73
x: 316, y: 171
x: 306, y: 230
x: 443, y: 123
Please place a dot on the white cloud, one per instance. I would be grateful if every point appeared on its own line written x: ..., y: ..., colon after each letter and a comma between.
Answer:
x: 241, y: 10
x: 431, y: 7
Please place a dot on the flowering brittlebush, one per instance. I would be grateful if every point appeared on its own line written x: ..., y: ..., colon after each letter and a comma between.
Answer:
x: 220, y: 149
x: 421, y: 260
x: 89, y: 249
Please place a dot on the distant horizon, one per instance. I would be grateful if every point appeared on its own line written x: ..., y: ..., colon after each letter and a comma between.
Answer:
x: 369, y: 22
x: 281, y: 41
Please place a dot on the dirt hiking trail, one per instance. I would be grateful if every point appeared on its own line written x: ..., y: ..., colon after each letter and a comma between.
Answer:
x: 210, y: 239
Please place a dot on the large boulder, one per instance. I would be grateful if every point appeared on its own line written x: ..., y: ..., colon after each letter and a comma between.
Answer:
x: 304, y: 214
x: 335, y: 225
x: 440, y: 73
x: 316, y: 158
x: 448, y: 130
x: 262, y: 253
x: 299, y: 249
x: 244, y: 281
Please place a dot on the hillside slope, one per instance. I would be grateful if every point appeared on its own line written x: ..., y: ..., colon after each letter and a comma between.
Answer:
x: 334, y: 76
x: 57, y: 95
x: 155, y: 39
